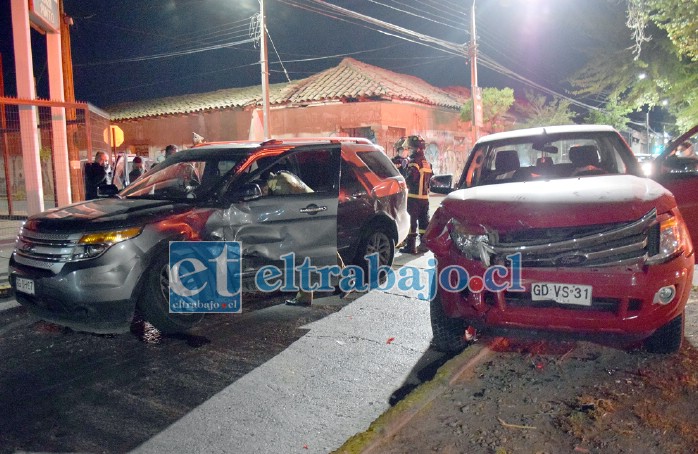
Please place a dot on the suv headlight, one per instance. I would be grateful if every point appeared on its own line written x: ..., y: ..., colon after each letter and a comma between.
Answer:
x: 673, y: 240
x: 93, y: 245
x: 472, y: 244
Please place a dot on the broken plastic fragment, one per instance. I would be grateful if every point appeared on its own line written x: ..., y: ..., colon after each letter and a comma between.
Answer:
x: 470, y: 334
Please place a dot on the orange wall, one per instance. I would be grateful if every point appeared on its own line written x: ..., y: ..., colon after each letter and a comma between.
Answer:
x: 154, y: 134
x: 448, y: 138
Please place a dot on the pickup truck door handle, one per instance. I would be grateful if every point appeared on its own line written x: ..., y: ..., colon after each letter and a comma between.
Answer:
x: 313, y: 209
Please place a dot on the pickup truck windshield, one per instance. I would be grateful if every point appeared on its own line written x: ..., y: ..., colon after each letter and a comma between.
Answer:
x: 552, y: 156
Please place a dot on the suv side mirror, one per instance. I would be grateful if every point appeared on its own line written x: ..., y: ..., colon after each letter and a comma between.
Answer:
x: 441, y: 184
x: 107, y: 190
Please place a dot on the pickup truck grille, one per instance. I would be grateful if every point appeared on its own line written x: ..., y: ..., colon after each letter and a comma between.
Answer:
x: 47, y: 251
x: 593, y: 246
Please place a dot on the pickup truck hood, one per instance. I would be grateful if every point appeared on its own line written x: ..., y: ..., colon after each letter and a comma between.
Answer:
x: 558, y: 203
x: 102, y: 214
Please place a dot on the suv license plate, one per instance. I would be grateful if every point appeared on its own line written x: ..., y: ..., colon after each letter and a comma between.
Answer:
x: 24, y: 285
x: 561, y: 293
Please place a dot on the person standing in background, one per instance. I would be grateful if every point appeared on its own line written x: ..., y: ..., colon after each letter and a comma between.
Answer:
x: 418, y: 177
x: 137, y: 170
x: 95, y: 175
x: 400, y: 160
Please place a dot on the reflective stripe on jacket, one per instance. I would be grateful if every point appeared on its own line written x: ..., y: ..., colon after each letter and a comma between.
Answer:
x: 419, y: 178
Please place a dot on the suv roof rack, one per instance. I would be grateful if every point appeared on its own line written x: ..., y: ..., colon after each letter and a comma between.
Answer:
x: 357, y: 140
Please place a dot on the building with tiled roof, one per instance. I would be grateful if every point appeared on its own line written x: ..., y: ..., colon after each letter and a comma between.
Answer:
x: 352, y: 98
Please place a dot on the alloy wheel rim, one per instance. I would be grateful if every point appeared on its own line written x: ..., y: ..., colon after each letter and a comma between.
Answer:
x: 381, y: 244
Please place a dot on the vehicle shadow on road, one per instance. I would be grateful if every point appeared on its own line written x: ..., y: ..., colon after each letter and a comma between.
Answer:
x: 422, y: 372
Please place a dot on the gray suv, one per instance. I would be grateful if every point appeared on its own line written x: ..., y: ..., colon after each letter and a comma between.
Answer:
x: 90, y: 265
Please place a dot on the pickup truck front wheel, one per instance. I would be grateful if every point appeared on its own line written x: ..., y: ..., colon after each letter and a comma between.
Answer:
x: 668, y: 338
x: 449, y: 333
x: 154, y: 302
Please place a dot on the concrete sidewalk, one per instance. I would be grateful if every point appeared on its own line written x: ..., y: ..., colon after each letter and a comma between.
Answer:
x: 8, y: 233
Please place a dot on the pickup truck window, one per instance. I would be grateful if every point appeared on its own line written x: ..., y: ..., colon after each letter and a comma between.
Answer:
x: 547, y: 157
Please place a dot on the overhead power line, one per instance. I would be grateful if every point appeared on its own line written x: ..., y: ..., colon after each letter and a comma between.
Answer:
x: 449, y: 47
x: 169, y: 54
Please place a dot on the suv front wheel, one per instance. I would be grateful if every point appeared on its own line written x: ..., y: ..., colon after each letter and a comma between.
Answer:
x: 154, y: 302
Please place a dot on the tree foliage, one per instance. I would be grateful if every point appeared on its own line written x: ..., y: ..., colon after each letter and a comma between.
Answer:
x: 495, y: 103
x: 612, y: 77
x: 614, y: 114
x: 678, y: 18
x: 539, y: 110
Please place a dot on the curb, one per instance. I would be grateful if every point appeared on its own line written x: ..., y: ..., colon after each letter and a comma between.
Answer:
x: 390, y: 422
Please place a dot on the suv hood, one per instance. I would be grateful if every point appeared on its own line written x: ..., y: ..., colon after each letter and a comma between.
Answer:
x: 559, y: 203
x: 94, y: 215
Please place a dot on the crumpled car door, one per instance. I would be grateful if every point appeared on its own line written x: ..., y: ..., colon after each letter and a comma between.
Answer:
x: 274, y: 225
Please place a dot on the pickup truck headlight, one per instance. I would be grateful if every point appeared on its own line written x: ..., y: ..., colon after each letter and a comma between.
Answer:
x: 92, y: 245
x: 673, y: 240
x: 469, y: 242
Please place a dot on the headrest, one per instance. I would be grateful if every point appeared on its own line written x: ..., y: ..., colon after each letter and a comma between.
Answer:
x: 506, y: 161
x: 544, y: 161
x: 584, y: 155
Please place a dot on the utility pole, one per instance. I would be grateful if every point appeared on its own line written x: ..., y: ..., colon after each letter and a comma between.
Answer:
x: 76, y: 188
x: 647, y: 129
x: 265, y: 70
x: 474, y: 89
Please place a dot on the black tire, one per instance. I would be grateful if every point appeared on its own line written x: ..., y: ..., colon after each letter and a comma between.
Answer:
x: 449, y: 333
x: 154, y: 302
x: 379, y: 240
x: 668, y: 338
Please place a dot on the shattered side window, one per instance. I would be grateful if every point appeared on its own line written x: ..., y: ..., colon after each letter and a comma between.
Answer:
x: 298, y: 172
x: 379, y: 163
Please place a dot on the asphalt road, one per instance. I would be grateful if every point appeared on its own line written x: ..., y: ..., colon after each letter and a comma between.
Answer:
x: 276, y: 378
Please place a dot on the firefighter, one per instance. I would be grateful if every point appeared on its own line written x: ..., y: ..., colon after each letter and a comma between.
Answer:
x: 418, y: 179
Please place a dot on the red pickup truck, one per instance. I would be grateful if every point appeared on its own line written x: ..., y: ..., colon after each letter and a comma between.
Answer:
x: 557, y: 229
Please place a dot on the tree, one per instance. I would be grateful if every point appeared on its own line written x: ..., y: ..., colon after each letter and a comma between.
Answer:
x: 613, y: 114
x: 539, y: 110
x: 611, y: 76
x: 495, y: 103
x: 678, y: 18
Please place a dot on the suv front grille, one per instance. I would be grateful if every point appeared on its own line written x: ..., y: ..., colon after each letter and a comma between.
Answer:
x: 47, y: 251
x: 602, y: 245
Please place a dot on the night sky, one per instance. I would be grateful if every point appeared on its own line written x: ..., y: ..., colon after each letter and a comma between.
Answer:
x: 122, y: 50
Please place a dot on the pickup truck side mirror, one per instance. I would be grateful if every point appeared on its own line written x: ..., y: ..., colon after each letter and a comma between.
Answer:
x: 441, y: 184
x: 107, y: 190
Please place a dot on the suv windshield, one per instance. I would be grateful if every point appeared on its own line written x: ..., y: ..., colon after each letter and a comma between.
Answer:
x: 548, y: 156
x: 185, y: 178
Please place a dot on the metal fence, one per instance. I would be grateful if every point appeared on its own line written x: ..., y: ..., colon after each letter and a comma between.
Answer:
x: 85, y: 126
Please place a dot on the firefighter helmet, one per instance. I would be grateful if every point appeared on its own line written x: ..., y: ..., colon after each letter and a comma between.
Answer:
x: 415, y: 143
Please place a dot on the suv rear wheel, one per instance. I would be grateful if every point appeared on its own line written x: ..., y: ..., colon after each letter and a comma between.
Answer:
x: 154, y: 302
x: 376, y: 240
